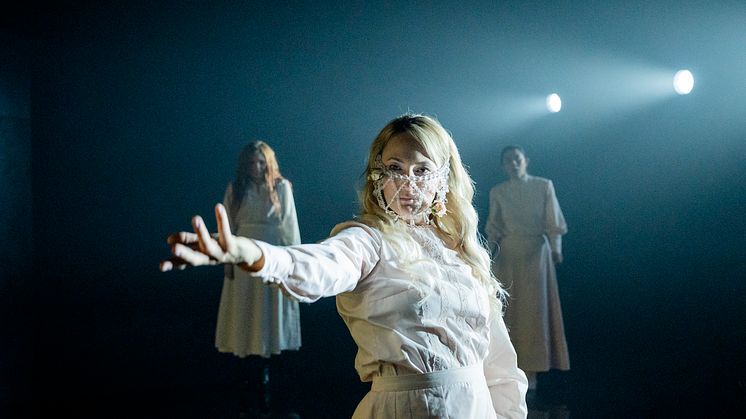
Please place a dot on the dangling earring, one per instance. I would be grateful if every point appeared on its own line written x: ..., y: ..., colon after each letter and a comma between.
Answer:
x: 438, y: 208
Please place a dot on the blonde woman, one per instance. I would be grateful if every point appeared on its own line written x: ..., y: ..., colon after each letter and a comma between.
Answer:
x: 411, y: 278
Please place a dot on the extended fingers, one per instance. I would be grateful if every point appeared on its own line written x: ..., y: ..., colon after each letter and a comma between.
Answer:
x: 198, y: 248
x: 173, y: 263
x: 207, y: 244
x: 225, y: 236
x: 184, y: 255
x: 183, y: 237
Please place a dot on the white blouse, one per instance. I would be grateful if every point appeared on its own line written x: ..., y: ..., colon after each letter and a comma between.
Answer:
x: 430, y: 315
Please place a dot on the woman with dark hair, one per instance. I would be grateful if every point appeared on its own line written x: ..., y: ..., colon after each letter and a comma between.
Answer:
x: 254, y: 319
x: 526, y: 223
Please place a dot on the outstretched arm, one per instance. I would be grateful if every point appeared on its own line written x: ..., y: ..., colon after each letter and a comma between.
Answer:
x: 200, y: 248
x: 307, y: 272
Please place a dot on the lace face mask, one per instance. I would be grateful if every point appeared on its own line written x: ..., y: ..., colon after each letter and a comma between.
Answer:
x: 418, y: 188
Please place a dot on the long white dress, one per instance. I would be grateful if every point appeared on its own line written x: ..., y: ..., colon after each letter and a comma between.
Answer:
x: 254, y: 319
x: 526, y: 220
x: 413, y: 325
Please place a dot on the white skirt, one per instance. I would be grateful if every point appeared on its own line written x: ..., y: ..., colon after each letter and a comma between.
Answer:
x: 458, y: 393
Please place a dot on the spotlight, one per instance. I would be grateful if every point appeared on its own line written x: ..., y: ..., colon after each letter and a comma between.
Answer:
x: 683, y: 82
x: 554, y: 103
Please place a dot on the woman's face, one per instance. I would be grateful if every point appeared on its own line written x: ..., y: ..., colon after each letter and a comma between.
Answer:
x: 514, y: 164
x: 403, y: 156
x: 257, y: 167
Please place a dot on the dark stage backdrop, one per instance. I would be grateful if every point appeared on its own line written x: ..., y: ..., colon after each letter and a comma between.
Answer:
x: 139, y: 109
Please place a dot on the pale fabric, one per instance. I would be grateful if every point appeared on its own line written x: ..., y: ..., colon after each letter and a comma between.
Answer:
x: 526, y: 220
x: 254, y: 318
x: 433, y: 316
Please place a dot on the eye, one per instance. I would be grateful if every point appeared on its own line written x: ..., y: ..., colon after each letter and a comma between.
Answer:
x: 421, y: 171
x: 394, y: 168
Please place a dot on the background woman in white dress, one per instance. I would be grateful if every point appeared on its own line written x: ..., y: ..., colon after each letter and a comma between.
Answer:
x: 526, y: 224
x: 411, y: 279
x: 254, y: 319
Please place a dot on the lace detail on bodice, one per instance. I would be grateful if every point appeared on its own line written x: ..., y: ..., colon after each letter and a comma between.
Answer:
x: 450, y: 266
x: 457, y: 299
x: 432, y: 245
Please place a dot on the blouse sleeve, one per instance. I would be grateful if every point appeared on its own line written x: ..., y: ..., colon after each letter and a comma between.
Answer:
x: 289, y: 231
x: 494, y: 226
x: 309, y: 272
x: 555, y: 220
x: 507, y: 383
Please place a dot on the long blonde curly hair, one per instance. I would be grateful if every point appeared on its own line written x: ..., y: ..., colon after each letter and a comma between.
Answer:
x: 459, y: 223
